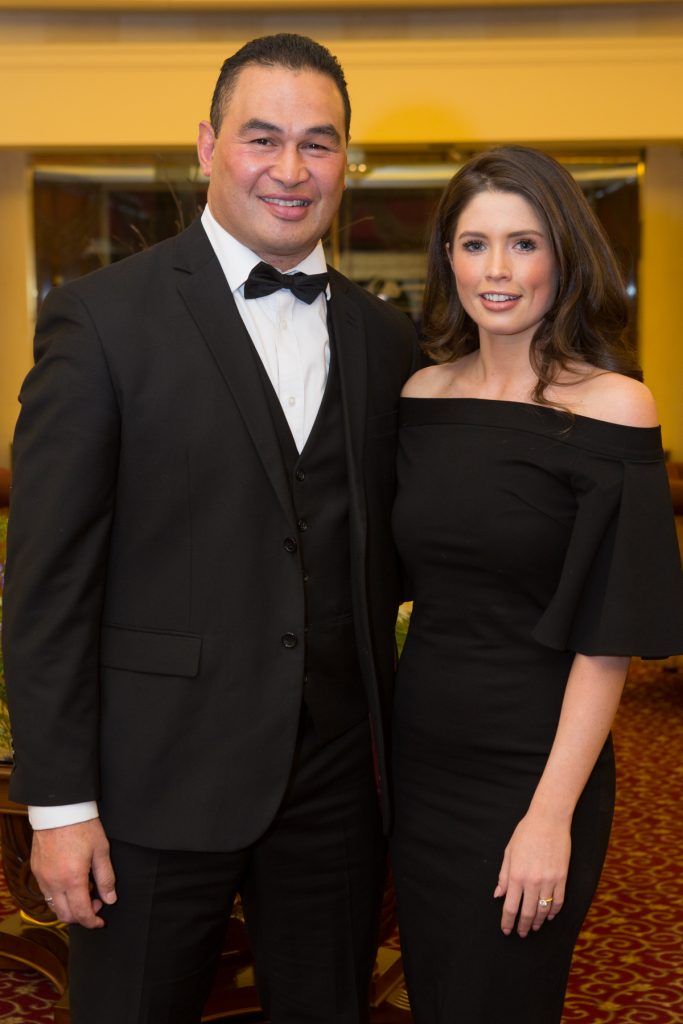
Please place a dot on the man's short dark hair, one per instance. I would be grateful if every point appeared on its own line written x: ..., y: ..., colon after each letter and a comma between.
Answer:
x: 285, y: 50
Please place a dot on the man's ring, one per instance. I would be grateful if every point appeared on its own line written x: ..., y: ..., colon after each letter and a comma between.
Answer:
x: 545, y: 901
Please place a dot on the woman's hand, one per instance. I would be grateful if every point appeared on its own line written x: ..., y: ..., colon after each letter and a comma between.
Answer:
x: 534, y: 872
x: 534, y: 869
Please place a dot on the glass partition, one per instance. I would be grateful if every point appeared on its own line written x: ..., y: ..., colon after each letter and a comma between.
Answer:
x: 94, y: 210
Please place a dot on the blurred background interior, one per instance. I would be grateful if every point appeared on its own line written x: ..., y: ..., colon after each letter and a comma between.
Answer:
x: 100, y: 100
x: 99, y: 106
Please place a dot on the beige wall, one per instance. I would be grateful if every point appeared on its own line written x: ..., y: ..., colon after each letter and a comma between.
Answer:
x: 551, y: 72
x: 547, y: 73
x: 661, y: 324
x: 16, y: 290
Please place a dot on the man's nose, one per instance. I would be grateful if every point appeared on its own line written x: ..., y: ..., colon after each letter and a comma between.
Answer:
x: 290, y: 168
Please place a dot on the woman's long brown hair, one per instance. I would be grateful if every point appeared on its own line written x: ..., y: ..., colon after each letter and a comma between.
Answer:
x: 588, y: 317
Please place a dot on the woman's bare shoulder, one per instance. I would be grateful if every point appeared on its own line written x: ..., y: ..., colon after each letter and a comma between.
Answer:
x: 429, y: 382
x: 612, y: 396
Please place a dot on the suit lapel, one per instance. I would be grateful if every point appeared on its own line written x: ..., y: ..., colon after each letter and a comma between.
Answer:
x: 350, y: 345
x: 350, y: 348
x: 204, y: 290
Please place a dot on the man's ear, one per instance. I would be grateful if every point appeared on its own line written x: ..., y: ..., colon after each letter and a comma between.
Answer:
x: 206, y: 143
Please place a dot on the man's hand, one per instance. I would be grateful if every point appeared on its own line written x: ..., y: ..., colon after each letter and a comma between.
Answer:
x: 62, y: 859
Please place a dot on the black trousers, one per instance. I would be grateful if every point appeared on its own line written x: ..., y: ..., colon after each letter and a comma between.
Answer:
x: 311, y: 889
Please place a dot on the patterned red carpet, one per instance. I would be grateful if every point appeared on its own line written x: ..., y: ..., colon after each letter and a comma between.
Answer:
x: 628, y: 966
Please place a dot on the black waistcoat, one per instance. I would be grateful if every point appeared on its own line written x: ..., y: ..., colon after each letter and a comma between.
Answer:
x: 333, y: 689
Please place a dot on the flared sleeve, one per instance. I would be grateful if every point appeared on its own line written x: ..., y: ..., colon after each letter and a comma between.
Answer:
x: 620, y: 591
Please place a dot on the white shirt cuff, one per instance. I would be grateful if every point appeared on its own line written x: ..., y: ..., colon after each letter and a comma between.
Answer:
x: 64, y: 814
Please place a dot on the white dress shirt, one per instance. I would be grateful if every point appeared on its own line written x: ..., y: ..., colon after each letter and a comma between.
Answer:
x: 289, y: 335
x: 292, y: 340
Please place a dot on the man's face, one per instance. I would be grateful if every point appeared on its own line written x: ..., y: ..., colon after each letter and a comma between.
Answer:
x: 277, y: 166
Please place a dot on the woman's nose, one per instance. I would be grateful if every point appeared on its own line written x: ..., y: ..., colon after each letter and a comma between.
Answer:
x: 497, y: 264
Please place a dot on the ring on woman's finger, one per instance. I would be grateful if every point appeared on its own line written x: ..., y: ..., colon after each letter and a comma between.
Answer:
x: 545, y: 902
x: 49, y: 900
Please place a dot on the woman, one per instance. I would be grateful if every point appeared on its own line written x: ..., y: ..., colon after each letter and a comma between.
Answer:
x: 535, y: 524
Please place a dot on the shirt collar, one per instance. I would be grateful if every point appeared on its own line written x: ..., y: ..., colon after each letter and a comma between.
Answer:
x: 237, y: 261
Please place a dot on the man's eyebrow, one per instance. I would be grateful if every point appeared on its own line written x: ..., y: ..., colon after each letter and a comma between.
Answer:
x: 255, y: 124
x: 325, y: 129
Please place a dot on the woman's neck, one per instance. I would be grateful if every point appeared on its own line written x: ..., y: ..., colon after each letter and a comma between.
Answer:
x: 500, y: 369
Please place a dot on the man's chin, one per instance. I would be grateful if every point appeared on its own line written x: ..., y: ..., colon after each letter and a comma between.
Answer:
x: 291, y: 249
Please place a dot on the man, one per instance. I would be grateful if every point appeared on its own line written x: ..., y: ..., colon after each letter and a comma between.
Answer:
x: 201, y: 585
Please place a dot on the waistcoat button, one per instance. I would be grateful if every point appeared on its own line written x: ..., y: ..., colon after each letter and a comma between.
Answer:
x: 289, y: 544
x: 289, y: 640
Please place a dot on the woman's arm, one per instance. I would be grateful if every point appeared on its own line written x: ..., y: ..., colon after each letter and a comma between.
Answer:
x: 536, y: 859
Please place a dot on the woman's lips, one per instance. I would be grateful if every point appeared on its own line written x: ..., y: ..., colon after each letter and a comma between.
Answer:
x: 498, y: 302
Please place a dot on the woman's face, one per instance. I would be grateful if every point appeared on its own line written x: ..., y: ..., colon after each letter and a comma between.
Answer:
x: 504, y: 266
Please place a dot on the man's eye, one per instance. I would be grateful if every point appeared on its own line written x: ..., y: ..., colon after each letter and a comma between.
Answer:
x: 261, y: 142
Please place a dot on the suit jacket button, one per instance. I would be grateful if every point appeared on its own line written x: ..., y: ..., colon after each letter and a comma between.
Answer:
x: 289, y: 640
x: 289, y: 544
x: 300, y: 475
x: 302, y: 525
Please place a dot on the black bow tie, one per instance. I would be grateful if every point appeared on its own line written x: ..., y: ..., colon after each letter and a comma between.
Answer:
x: 264, y: 280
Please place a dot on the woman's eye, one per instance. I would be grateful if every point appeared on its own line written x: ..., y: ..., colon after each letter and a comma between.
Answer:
x: 473, y: 246
x: 526, y: 244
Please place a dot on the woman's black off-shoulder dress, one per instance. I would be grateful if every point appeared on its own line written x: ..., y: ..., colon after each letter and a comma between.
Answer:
x: 527, y: 535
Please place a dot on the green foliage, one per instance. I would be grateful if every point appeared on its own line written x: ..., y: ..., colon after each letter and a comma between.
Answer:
x: 402, y: 623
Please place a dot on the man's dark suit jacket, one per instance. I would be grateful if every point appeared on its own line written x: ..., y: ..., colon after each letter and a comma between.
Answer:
x: 154, y: 621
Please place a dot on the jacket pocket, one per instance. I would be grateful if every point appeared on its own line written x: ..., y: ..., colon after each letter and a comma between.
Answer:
x: 148, y: 650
